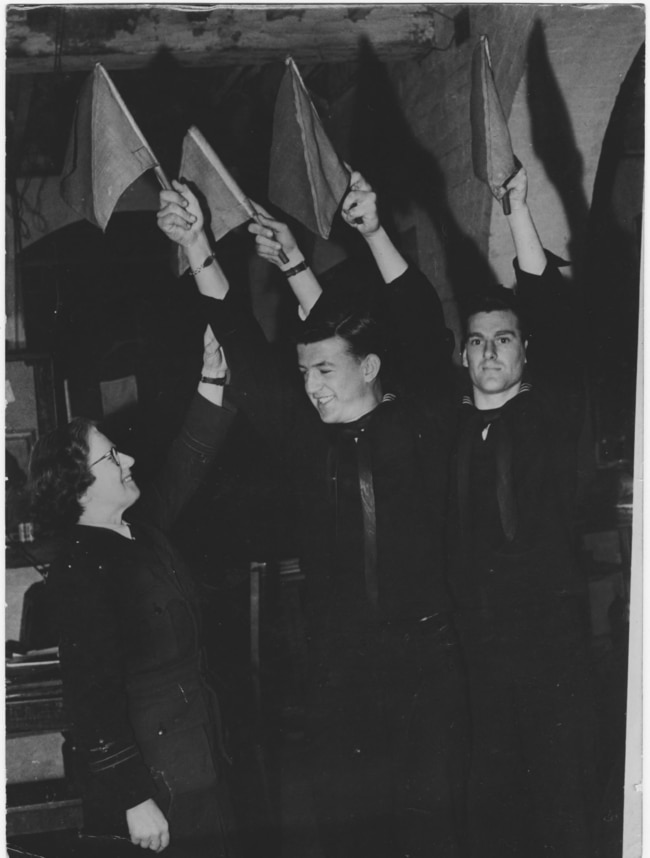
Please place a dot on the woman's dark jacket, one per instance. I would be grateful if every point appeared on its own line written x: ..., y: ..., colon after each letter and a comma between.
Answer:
x: 129, y: 646
x: 370, y: 493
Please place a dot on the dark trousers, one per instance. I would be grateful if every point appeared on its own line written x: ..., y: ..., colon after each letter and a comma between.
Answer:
x: 389, y: 745
x: 532, y: 776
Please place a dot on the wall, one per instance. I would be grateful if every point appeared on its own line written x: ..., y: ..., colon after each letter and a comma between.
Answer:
x: 405, y: 125
x: 589, y: 52
x: 21, y: 413
x: 558, y: 69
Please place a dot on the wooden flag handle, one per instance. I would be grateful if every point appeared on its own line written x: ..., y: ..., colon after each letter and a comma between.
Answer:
x: 234, y: 188
x: 165, y: 184
x: 505, y: 201
x: 283, y: 256
x: 179, y: 258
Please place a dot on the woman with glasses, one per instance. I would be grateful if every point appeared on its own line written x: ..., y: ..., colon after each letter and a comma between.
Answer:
x: 147, y: 745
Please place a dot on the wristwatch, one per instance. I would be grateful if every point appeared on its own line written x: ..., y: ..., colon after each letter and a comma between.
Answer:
x: 205, y: 264
x: 221, y: 381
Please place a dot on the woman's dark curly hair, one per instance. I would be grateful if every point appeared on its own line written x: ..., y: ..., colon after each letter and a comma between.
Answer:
x: 59, y: 475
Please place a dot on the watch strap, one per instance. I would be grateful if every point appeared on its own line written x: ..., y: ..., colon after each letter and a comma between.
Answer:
x: 205, y: 264
x: 301, y: 266
x: 221, y: 381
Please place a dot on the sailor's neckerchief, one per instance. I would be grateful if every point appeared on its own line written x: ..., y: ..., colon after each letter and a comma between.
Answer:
x: 475, y: 420
x: 356, y: 430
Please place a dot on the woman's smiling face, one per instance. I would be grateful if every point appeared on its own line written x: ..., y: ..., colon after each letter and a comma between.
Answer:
x: 114, y: 489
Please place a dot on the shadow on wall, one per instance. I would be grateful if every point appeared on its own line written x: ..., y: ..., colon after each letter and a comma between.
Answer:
x: 554, y: 142
x: 605, y: 237
x: 612, y: 268
x: 384, y: 149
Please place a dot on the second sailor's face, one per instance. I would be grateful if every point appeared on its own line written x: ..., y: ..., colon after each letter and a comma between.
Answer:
x: 495, y: 353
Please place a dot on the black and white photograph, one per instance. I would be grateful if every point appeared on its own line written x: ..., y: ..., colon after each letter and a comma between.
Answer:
x: 324, y: 430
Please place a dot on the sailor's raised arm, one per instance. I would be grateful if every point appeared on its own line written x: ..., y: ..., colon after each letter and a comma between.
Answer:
x: 181, y: 219
x: 359, y: 211
x: 422, y: 343
x: 528, y: 247
x: 273, y: 237
x: 547, y: 300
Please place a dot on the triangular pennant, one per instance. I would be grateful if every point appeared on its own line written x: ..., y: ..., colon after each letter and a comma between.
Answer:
x: 492, y: 156
x: 307, y: 179
x: 106, y: 151
x: 229, y: 206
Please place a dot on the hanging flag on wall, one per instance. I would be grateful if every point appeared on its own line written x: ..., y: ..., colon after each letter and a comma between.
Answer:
x: 106, y: 151
x: 492, y: 156
x: 307, y: 179
x: 228, y: 204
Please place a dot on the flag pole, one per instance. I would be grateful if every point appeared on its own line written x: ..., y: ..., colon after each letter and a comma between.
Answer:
x: 506, y: 197
x: 165, y: 184
x: 229, y: 181
x: 283, y: 256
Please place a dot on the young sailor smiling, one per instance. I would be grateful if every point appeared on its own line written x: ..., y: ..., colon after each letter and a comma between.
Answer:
x: 386, y: 698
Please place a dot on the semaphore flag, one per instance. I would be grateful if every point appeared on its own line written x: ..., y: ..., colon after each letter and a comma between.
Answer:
x: 229, y: 206
x: 492, y: 156
x: 106, y: 151
x: 307, y: 179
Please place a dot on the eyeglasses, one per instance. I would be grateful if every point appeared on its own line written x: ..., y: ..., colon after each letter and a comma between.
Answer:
x: 112, y: 454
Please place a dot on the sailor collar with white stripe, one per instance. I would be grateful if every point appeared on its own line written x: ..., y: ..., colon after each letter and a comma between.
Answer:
x: 525, y: 387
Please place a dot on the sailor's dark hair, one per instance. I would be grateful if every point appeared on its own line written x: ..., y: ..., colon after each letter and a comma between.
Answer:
x: 361, y: 328
x: 492, y: 301
x: 349, y: 308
